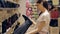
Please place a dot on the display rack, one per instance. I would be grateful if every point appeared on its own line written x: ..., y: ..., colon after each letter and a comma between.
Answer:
x: 6, y: 12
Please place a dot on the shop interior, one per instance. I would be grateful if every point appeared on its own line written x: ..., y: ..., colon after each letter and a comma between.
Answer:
x: 11, y: 12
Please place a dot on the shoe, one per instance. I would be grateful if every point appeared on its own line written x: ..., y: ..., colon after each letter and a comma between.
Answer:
x: 25, y: 17
x: 2, y: 4
x: 8, y: 4
x: 11, y: 5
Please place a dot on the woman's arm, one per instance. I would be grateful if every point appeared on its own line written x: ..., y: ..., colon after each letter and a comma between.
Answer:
x: 39, y: 27
x: 33, y: 21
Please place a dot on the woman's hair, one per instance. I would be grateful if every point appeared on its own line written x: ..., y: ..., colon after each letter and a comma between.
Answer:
x: 45, y: 4
x: 39, y: 1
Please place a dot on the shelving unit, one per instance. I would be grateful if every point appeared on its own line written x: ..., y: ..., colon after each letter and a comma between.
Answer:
x: 5, y: 13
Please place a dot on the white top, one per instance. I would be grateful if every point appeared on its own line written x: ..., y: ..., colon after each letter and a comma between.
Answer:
x: 44, y: 17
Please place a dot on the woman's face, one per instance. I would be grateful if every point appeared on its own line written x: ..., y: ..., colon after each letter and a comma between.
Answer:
x: 39, y: 6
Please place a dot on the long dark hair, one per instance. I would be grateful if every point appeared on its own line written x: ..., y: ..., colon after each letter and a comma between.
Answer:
x: 45, y: 4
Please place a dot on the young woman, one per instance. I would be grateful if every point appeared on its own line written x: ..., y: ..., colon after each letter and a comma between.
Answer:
x: 42, y: 23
